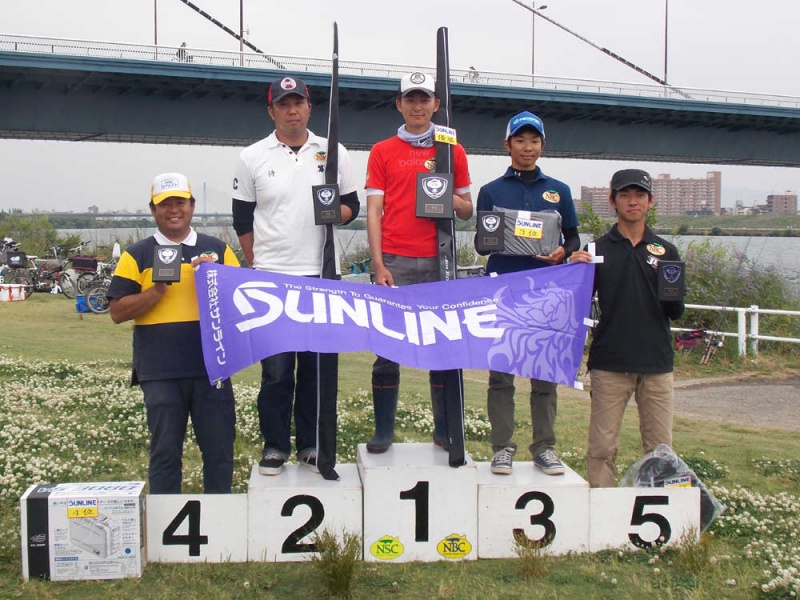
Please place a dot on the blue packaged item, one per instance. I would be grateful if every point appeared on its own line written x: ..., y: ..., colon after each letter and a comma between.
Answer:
x: 80, y: 304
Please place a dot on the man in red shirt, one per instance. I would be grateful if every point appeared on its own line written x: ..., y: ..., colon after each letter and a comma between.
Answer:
x: 404, y: 246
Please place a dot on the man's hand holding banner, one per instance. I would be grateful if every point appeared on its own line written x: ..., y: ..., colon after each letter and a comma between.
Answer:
x: 530, y: 323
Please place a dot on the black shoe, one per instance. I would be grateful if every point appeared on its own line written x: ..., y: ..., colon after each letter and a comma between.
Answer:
x: 378, y: 445
x: 271, y: 463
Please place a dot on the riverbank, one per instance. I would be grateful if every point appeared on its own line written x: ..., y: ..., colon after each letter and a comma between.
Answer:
x: 772, y: 225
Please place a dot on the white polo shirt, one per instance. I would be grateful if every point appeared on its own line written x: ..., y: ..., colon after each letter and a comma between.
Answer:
x: 269, y: 173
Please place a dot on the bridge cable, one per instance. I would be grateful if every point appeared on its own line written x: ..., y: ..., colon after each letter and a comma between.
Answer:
x: 230, y: 31
x: 613, y: 55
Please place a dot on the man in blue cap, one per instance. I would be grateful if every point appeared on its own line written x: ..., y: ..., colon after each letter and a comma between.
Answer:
x: 525, y: 187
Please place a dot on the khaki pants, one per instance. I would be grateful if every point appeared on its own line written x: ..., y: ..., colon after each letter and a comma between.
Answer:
x: 610, y: 394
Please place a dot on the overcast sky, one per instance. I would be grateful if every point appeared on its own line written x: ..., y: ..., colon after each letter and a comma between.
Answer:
x: 713, y: 44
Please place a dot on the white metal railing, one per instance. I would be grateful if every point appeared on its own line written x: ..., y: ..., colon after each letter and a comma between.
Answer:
x: 741, y: 333
x: 199, y: 56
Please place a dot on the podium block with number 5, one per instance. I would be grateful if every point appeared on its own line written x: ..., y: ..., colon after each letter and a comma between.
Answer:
x: 417, y: 507
x: 552, y: 511
x: 197, y: 528
x: 288, y: 510
x: 642, y: 517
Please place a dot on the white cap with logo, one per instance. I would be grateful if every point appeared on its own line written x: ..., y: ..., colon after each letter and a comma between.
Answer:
x: 167, y: 185
x: 417, y: 81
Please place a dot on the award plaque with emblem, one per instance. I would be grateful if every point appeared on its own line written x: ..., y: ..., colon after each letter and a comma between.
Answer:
x: 671, y: 280
x: 435, y: 195
x: 327, y: 206
x: 167, y: 264
x: 490, y: 236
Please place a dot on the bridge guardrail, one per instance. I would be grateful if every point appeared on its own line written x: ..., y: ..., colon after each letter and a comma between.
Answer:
x: 117, y: 50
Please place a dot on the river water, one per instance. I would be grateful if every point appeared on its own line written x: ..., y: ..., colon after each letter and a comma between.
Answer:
x: 781, y: 252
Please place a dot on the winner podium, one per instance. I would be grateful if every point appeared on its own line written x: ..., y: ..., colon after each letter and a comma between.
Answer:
x: 417, y: 507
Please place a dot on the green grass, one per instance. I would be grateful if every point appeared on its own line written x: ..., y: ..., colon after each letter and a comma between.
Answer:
x: 89, y: 393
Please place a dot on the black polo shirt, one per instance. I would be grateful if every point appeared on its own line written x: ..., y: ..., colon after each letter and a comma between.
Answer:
x: 633, y: 335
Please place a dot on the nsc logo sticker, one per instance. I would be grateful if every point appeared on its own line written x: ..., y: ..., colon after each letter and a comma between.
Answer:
x: 387, y: 548
x: 454, y: 546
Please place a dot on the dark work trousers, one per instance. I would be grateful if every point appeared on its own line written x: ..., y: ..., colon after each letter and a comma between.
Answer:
x: 283, y: 390
x: 386, y: 373
x: 169, y: 404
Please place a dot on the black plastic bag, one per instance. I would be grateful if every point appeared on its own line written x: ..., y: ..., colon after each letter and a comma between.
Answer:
x: 663, y: 468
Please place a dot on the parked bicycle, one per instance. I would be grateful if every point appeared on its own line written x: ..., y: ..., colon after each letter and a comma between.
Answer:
x: 96, y: 299
x: 39, y: 275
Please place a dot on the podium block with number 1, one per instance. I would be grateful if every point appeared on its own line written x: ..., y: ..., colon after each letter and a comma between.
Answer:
x: 417, y: 507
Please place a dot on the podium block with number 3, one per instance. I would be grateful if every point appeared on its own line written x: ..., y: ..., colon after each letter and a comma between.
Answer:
x: 552, y: 511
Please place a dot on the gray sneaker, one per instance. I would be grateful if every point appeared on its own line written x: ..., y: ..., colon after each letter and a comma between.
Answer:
x: 308, y: 458
x: 548, y: 462
x: 501, y: 463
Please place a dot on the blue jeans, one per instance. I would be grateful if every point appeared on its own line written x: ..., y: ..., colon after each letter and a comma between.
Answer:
x: 169, y: 403
x: 281, y: 391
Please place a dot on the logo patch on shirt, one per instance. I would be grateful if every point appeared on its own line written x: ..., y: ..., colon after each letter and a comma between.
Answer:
x: 656, y: 248
x: 430, y: 164
x: 552, y: 196
x: 652, y: 261
x: 320, y: 156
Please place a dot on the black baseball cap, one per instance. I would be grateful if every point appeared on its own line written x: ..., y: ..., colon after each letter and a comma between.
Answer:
x: 284, y: 87
x: 637, y: 177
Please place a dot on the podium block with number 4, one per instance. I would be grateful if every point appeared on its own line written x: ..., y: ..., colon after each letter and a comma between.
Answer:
x: 417, y: 507
x: 552, y: 511
x: 288, y: 510
x: 197, y: 528
x: 642, y: 517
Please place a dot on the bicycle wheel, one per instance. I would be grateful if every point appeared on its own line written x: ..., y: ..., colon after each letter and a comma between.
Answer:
x: 68, y: 286
x: 23, y: 280
x: 85, y: 281
x: 96, y: 299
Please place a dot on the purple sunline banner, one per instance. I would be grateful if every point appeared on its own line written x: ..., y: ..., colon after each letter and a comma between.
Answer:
x: 530, y: 323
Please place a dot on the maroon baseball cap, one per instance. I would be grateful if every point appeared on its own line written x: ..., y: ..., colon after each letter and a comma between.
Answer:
x: 284, y: 87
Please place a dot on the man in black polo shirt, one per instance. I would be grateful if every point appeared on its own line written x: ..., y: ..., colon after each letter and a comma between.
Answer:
x: 631, y: 351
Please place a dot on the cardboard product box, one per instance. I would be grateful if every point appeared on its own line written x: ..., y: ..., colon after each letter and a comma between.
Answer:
x: 83, y: 530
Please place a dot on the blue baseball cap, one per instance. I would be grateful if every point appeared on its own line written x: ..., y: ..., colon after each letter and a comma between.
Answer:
x: 524, y: 119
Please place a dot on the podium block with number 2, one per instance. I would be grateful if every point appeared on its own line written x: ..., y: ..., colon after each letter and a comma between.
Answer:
x: 288, y: 510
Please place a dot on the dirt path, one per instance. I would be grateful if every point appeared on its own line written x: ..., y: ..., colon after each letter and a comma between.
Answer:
x: 772, y: 403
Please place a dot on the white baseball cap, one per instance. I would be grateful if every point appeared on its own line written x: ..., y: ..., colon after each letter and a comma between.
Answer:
x: 417, y: 81
x: 168, y: 185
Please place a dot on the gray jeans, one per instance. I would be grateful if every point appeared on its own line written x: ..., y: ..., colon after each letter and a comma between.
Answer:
x: 500, y: 403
